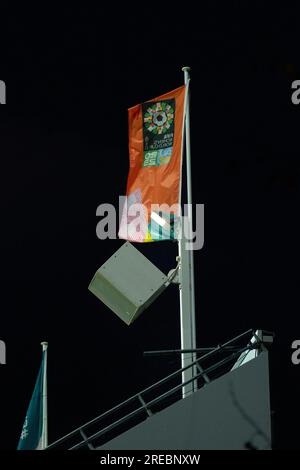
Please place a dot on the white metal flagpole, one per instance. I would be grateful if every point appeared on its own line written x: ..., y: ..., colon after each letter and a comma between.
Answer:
x: 186, y: 71
x: 44, y: 344
x: 186, y: 269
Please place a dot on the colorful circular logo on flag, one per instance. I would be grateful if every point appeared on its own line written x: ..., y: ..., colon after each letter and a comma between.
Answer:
x: 159, y: 117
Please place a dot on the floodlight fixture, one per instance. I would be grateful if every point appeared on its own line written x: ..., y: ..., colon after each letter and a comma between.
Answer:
x: 128, y: 283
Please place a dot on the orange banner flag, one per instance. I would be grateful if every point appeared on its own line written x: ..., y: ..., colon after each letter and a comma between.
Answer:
x: 152, y: 207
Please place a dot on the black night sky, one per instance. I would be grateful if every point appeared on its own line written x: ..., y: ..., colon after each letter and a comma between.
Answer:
x: 71, y: 73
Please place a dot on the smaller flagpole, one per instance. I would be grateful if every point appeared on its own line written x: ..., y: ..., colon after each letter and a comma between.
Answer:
x: 44, y: 345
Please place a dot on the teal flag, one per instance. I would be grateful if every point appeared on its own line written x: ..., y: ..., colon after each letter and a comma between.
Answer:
x: 31, y: 435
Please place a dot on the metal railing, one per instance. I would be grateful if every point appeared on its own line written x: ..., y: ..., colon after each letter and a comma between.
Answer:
x: 145, y: 408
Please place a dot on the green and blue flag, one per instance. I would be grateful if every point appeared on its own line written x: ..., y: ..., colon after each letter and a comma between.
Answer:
x: 32, y: 432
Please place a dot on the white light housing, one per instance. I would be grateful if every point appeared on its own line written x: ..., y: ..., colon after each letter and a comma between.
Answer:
x: 128, y: 283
